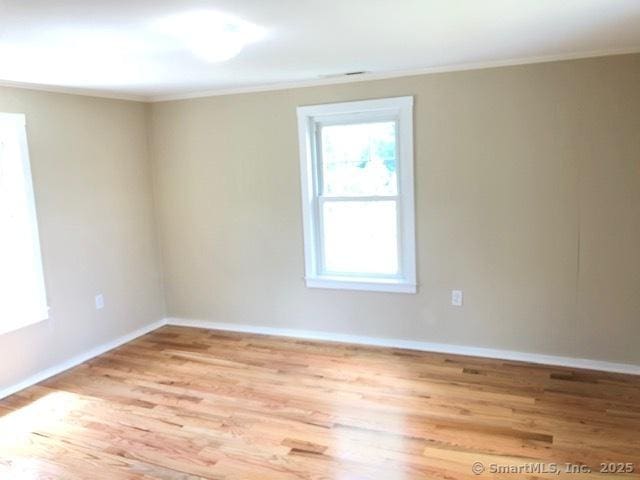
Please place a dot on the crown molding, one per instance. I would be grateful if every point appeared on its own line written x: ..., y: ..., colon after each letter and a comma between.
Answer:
x: 73, y: 91
x: 393, y: 74
x: 318, y: 82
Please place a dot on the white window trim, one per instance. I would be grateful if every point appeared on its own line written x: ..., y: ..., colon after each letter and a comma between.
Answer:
x: 17, y: 121
x: 399, y: 108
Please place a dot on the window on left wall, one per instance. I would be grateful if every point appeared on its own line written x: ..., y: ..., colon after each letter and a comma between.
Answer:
x: 23, y: 299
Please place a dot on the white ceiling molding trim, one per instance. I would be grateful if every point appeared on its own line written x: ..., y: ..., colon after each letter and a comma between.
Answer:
x: 74, y: 91
x: 365, y: 77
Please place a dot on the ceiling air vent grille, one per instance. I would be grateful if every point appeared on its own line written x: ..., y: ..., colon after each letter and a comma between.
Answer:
x: 346, y: 74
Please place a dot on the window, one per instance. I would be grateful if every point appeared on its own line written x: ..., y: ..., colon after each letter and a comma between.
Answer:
x: 22, y: 292
x: 356, y: 163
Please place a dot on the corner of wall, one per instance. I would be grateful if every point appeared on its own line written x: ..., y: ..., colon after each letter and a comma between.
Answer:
x: 148, y: 112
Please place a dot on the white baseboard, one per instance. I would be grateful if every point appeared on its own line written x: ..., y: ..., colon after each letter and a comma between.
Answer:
x: 542, y: 359
x: 78, y: 359
x: 553, y: 360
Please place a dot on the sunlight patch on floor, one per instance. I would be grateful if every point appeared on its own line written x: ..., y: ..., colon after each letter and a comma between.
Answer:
x: 45, y: 414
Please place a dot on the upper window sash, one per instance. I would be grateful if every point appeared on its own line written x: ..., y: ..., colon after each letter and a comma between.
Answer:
x: 320, y: 162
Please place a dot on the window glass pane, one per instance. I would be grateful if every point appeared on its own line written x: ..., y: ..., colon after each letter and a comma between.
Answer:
x: 359, y: 159
x: 360, y: 237
x: 22, y: 298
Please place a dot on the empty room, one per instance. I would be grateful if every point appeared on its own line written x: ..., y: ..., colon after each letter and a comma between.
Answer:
x: 319, y: 240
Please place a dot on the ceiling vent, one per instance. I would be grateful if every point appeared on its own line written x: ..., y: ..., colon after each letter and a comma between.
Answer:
x: 346, y: 74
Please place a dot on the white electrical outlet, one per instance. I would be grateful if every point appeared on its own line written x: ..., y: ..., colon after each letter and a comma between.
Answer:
x: 99, y: 301
x: 456, y: 298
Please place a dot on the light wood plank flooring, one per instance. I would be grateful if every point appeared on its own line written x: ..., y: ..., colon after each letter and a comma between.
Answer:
x: 185, y: 403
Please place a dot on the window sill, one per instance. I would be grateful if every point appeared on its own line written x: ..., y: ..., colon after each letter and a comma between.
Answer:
x: 12, y: 327
x: 365, y: 284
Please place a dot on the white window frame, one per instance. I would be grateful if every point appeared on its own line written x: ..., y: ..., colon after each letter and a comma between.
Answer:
x: 398, y: 109
x: 17, y: 123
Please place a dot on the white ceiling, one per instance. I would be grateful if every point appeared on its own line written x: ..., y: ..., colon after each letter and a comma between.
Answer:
x: 131, y: 48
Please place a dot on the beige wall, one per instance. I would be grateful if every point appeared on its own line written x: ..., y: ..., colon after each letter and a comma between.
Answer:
x: 93, y: 188
x: 527, y: 198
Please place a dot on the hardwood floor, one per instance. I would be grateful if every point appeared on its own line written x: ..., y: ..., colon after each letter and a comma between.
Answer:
x: 184, y: 403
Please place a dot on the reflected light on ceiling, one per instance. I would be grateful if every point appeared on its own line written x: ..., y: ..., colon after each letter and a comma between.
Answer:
x: 211, y: 36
